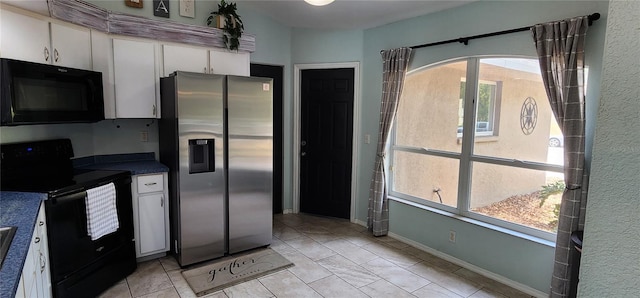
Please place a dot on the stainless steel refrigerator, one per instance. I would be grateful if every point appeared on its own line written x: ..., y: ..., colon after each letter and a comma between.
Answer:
x: 216, y: 136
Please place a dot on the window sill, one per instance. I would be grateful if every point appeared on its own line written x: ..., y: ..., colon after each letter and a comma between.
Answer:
x: 476, y: 222
x: 481, y: 139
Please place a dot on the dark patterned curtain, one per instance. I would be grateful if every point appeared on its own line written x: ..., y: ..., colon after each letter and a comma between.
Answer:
x: 395, y: 68
x: 560, y: 47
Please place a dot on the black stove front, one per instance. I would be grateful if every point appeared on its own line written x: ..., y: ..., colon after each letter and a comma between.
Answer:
x: 79, y: 266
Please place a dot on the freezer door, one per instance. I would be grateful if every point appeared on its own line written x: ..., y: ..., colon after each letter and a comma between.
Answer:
x: 250, y: 124
x: 200, y: 111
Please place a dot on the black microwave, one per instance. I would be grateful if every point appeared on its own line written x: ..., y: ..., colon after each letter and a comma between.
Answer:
x: 35, y: 93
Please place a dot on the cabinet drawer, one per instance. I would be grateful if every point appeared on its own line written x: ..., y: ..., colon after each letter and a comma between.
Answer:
x: 150, y: 183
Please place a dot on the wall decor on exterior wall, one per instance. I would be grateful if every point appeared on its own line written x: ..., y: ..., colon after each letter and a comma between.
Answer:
x: 161, y: 8
x: 528, y: 115
x: 188, y: 8
x: 133, y: 3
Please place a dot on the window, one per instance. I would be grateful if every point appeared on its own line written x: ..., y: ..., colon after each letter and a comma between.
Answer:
x: 514, y: 180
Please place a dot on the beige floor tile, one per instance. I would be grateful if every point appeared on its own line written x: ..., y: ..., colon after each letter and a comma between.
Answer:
x: 433, y: 290
x: 284, y: 285
x: 359, y: 240
x: 334, y: 287
x: 306, y: 269
x: 180, y: 284
x: 281, y: 247
x: 491, y: 284
x: 394, y: 255
x: 348, y: 271
x: 169, y: 263
x: 148, y: 278
x: 166, y: 293
x: 425, y: 256
x: 119, y: 290
x: 351, y: 251
x: 447, y: 280
x: 384, y: 289
x: 392, y: 242
x: 286, y: 233
x: 400, y: 277
x: 310, y: 248
x: 487, y: 293
x: 249, y: 289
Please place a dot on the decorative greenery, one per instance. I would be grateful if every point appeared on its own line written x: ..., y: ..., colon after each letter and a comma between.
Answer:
x: 233, y: 26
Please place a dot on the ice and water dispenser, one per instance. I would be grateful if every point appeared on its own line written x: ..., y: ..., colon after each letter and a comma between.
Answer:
x: 201, y: 156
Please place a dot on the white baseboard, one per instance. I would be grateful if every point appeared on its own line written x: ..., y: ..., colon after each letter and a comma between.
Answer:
x: 499, y: 278
x: 359, y: 222
x: 287, y: 211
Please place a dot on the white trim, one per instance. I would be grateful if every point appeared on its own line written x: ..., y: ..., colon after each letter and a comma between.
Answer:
x: 499, y: 278
x: 287, y: 211
x: 356, y: 129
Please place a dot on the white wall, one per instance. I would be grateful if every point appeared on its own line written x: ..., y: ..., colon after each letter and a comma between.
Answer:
x: 610, y: 265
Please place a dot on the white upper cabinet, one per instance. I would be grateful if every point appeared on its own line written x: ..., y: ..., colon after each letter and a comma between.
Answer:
x: 102, y: 57
x: 184, y: 59
x: 29, y: 38
x: 229, y: 63
x: 71, y: 46
x: 136, y: 78
x: 24, y: 38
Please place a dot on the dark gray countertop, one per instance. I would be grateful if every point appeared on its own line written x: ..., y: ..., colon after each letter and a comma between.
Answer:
x: 136, y: 163
x: 18, y: 209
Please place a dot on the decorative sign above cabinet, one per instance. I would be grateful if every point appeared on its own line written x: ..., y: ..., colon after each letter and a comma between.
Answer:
x: 188, y: 8
x: 161, y: 8
x: 133, y: 3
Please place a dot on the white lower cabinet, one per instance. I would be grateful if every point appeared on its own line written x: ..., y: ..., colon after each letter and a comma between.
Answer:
x: 151, y: 214
x: 36, y: 280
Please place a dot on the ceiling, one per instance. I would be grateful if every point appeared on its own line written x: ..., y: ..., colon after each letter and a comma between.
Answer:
x: 346, y: 14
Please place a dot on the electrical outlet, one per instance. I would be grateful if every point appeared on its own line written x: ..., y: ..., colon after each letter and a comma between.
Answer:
x: 144, y: 136
x: 452, y: 236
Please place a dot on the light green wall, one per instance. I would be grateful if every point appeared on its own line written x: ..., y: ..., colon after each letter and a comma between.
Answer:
x: 610, y: 264
x: 326, y: 46
x: 523, y: 261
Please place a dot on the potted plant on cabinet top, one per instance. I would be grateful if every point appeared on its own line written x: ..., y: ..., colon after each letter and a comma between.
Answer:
x: 227, y: 19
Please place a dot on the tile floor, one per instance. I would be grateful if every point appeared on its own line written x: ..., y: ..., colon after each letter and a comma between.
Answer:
x: 333, y: 258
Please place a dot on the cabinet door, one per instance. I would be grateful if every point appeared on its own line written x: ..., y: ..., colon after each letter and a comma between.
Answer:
x: 43, y: 274
x: 71, y: 46
x: 229, y: 63
x: 151, y: 211
x: 184, y: 59
x: 102, y: 60
x: 24, y: 38
x: 135, y: 78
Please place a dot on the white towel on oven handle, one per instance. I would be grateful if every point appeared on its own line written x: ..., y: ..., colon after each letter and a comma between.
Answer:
x: 102, y: 215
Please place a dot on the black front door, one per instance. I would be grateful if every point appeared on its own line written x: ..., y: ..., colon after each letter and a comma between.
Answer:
x: 326, y: 141
x: 276, y: 73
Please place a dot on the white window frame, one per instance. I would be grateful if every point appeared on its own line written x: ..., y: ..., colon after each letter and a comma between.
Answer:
x: 466, y: 158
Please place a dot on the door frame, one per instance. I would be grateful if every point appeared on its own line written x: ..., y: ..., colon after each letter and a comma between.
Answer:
x: 297, y: 117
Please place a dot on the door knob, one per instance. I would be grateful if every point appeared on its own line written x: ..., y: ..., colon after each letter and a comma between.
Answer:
x: 303, y: 153
x: 303, y: 143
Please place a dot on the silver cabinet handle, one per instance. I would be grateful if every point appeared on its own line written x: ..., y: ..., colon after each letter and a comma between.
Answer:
x: 41, y: 223
x: 154, y: 110
x: 46, y: 54
x: 56, y: 55
x: 211, y: 70
x: 150, y: 183
x: 43, y: 262
x: 162, y: 202
x: 205, y: 70
x: 37, y: 240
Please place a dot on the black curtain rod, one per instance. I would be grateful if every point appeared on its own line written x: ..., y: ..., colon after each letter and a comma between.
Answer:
x: 465, y: 40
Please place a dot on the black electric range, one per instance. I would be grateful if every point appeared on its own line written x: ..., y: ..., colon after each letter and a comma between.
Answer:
x: 79, y: 266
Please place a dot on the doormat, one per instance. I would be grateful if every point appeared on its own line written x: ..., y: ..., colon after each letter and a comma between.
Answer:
x: 233, y: 270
